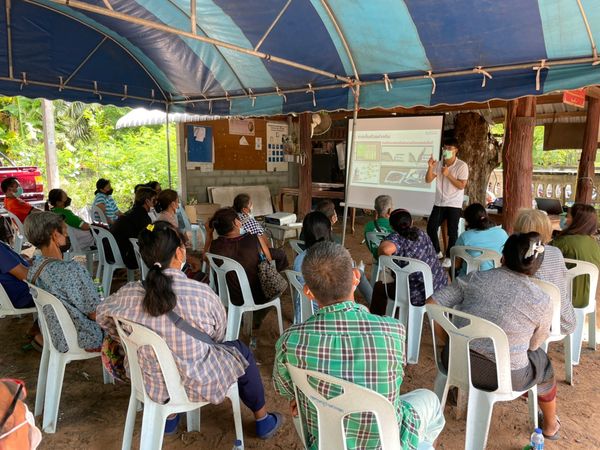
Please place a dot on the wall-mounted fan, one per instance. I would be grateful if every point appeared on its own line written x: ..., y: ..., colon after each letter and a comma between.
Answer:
x: 321, y: 123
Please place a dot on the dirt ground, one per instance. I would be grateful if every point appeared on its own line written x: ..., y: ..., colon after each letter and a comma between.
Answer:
x: 92, y: 415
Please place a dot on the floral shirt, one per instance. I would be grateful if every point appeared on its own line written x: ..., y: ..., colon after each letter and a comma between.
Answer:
x: 72, y: 284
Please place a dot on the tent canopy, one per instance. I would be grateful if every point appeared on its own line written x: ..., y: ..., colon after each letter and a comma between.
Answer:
x: 267, y: 57
x: 140, y: 116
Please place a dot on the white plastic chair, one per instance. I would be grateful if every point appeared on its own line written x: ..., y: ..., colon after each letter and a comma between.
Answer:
x: 331, y: 412
x: 53, y: 362
x: 141, y: 264
x: 191, y: 228
x: 410, y: 315
x: 297, y: 288
x: 373, y: 240
x: 7, y: 308
x: 575, y: 340
x: 297, y: 245
x: 155, y: 414
x: 108, y: 267
x: 480, y: 403
x: 221, y: 266
x: 98, y: 215
x: 554, y: 293
x: 473, y: 263
x: 76, y: 250
x: 19, y: 237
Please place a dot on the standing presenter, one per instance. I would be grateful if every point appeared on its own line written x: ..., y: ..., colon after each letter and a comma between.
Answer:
x: 452, y: 175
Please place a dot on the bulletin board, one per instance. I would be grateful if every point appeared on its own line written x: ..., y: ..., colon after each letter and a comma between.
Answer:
x: 230, y: 150
x: 199, y: 146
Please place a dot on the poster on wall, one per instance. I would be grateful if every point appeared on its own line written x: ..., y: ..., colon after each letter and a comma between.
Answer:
x: 241, y: 127
x: 200, y: 149
x: 276, y: 134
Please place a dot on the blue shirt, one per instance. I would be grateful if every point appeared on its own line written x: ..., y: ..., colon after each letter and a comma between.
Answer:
x: 17, y: 290
x: 492, y: 239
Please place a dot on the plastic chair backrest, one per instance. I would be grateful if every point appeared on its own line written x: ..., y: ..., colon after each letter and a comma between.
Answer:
x: 331, y: 412
x: 100, y: 236
x: 583, y: 268
x: 554, y: 293
x: 221, y: 266
x: 7, y: 308
x: 459, y: 367
x: 473, y: 263
x: 411, y: 266
x: 295, y: 285
x: 98, y: 215
x: 141, y: 264
x: 141, y: 336
x: 42, y: 299
x: 75, y: 247
x: 297, y: 245
x: 19, y: 237
x: 187, y: 225
x: 374, y: 239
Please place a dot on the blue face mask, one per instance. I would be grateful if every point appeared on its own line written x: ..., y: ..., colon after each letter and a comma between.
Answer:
x: 19, y: 192
x: 242, y: 230
x: 563, y: 222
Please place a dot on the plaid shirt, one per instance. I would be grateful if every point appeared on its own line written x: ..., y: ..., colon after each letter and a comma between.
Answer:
x: 346, y: 341
x: 250, y: 224
x: 206, y: 370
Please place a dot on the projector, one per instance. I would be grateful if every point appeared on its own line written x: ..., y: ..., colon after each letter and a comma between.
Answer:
x: 280, y: 218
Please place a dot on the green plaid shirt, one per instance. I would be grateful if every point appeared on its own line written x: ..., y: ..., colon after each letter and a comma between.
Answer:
x: 346, y: 341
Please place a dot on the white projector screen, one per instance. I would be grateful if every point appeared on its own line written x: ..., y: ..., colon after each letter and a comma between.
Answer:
x: 390, y: 157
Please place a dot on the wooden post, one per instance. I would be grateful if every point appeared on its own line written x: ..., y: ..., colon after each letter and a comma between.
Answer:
x: 517, y: 158
x: 305, y: 171
x: 52, y: 177
x: 585, y: 173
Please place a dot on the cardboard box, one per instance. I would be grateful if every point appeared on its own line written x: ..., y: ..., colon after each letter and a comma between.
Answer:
x: 201, y: 212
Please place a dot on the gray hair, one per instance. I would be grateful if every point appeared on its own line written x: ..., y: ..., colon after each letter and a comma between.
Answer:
x: 383, y: 204
x: 327, y: 271
x: 39, y: 227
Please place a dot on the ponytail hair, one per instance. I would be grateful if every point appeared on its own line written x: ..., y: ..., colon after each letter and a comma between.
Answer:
x: 524, y: 252
x: 477, y: 218
x: 158, y: 243
x: 55, y: 195
x: 401, y: 222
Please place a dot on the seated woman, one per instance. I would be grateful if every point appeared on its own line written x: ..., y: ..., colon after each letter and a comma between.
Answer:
x: 481, y: 232
x: 58, y: 202
x: 168, y: 203
x: 207, y: 370
x: 104, y: 200
x: 68, y: 281
x: 507, y: 297
x: 553, y: 268
x: 577, y: 242
x: 410, y: 242
x: 132, y: 222
x: 13, y: 269
x: 246, y: 249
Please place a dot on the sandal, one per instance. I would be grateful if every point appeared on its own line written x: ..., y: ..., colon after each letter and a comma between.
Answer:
x: 550, y: 437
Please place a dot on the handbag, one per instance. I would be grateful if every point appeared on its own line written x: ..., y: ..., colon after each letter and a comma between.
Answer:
x: 273, y: 284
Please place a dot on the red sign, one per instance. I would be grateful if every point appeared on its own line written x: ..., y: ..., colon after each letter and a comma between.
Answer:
x: 574, y: 98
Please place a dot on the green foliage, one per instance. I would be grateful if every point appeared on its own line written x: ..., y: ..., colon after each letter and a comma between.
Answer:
x: 88, y: 147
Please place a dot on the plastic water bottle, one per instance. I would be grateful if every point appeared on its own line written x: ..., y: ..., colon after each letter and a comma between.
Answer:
x: 237, y: 445
x: 99, y: 288
x: 537, y: 439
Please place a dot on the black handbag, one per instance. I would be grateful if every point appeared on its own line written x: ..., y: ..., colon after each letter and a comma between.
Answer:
x: 273, y: 284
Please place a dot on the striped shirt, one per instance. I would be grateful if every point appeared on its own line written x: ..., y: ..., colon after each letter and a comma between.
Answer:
x: 109, y: 204
x: 207, y: 371
x: 346, y: 341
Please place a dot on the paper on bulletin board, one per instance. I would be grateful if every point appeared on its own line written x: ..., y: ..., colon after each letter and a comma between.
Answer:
x: 258, y: 143
x: 200, y: 148
x: 241, y: 126
x: 276, y: 132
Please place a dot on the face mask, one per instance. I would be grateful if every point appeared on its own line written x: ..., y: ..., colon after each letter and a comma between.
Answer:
x: 242, y: 230
x: 68, y: 202
x: 19, y: 192
x: 448, y: 154
x: 35, y: 435
x: 109, y: 192
x: 563, y: 222
x: 66, y: 247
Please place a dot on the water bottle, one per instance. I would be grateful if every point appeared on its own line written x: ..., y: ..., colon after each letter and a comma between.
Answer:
x: 237, y: 445
x: 361, y: 266
x: 537, y: 439
x: 99, y: 288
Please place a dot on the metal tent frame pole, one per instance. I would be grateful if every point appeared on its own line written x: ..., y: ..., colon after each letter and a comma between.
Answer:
x: 168, y: 146
x: 349, y: 160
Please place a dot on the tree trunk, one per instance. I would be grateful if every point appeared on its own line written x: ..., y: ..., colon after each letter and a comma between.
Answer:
x: 479, y: 150
x: 585, y: 173
x: 517, y: 158
x: 305, y: 171
x: 52, y: 177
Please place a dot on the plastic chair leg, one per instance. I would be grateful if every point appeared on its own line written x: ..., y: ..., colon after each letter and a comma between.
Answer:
x: 107, y: 278
x: 130, y: 275
x: 415, y: 327
x: 153, y: 427
x: 234, y: 396
x: 193, y: 419
x: 54, y: 382
x: 479, y: 415
x: 279, y: 317
x: 40, y: 393
x: 568, y: 345
x: 577, y: 336
x: 592, y: 330
x: 440, y: 387
x: 374, y: 270
x: 234, y: 321
x: 130, y: 422
x: 99, y: 269
x: 89, y: 262
x: 532, y: 402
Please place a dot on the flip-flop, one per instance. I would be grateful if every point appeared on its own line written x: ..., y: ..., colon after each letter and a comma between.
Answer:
x: 550, y: 437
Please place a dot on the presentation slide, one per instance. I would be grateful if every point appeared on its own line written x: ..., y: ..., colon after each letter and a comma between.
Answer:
x: 390, y: 157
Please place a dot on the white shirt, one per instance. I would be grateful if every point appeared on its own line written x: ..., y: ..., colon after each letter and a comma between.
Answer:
x: 446, y: 194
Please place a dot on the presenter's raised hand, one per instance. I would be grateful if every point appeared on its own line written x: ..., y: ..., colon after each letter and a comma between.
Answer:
x: 431, y: 162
